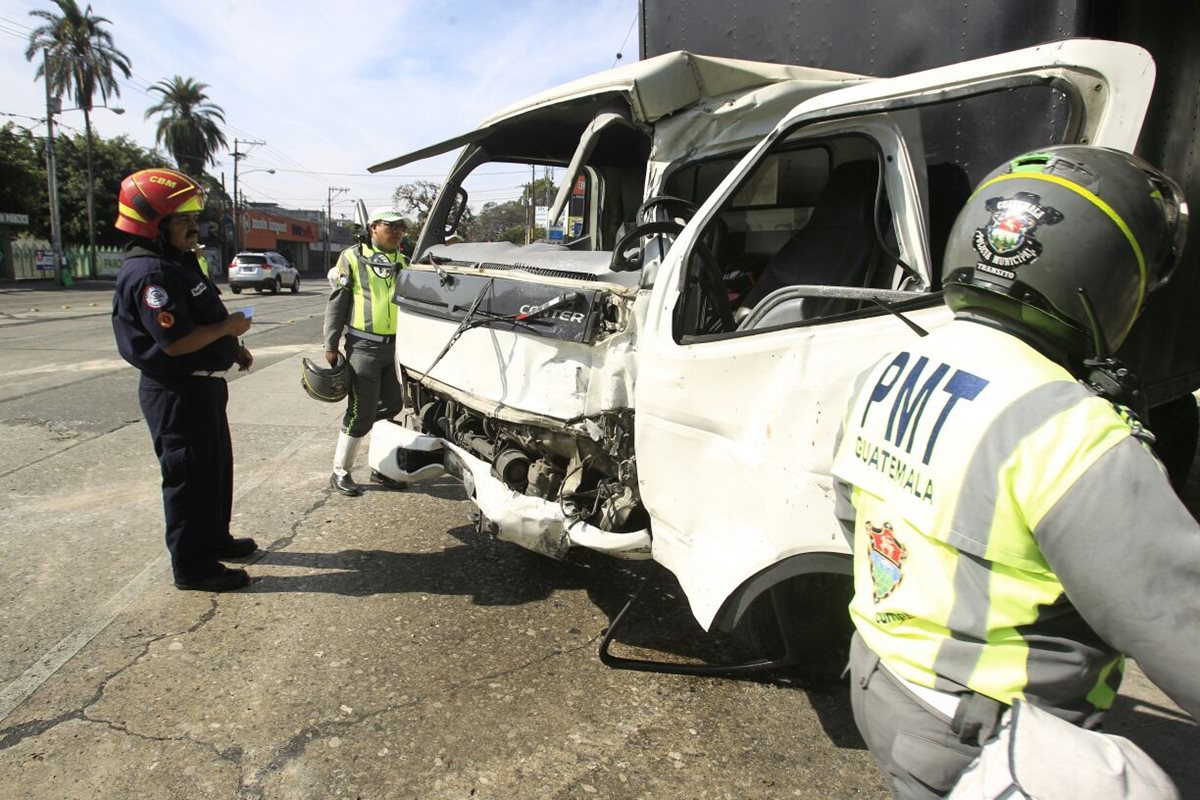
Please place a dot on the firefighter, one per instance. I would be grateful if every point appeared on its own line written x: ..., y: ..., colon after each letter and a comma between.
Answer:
x: 169, y: 323
x: 360, y: 303
x: 1013, y: 534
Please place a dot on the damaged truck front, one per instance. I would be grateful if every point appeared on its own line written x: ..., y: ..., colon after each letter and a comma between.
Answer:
x: 519, y: 362
x: 739, y: 240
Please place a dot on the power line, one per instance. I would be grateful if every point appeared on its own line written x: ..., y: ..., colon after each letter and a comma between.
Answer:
x: 620, y: 50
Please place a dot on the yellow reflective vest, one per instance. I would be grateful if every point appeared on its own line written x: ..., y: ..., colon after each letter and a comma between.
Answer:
x: 951, y: 452
x: 372, y: 281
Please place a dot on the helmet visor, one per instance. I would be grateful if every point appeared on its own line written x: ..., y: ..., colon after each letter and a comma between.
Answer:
x: 194, y: 203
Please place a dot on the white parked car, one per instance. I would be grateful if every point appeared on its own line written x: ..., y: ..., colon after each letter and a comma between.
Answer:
x: 262, y: 271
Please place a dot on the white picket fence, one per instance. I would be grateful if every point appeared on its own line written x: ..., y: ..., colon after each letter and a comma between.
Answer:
x: 33, y: 259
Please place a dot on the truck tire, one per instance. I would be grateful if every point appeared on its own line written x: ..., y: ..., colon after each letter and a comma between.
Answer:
x: 277, y: 286
x: 236, y: 289
x: 1176, y: 424
x: 296, y: 285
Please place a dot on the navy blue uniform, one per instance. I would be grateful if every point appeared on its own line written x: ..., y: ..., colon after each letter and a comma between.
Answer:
x: 161, y: 296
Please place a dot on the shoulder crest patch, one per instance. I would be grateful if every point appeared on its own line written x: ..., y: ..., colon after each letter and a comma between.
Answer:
x: 887, y: 556
x: 155, y: 296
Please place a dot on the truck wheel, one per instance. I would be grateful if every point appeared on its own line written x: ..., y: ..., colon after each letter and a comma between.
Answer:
x: 296, y: 285
x: 236, y: 289
x: 809, y: 613
x: 1176, y: 424
x: 277, y: 286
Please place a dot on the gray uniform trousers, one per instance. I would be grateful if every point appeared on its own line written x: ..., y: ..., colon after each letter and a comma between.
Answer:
x: 914, y: 745
x: 374, y: 388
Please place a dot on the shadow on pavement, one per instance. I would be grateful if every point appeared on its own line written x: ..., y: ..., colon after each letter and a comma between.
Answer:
x: 495, y: 573
x: 491, y: 573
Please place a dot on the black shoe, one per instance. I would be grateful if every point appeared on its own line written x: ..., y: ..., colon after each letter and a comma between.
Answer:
x: 345, y: 484
x: 236, y: 548
x: 225, y: 581
x: 386, y: 482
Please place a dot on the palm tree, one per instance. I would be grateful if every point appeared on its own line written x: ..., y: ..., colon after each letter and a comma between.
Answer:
x: 79, y: 59
x: 188, y: 123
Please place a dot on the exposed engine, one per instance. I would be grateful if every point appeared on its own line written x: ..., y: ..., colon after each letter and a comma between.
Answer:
x: 588, y: 467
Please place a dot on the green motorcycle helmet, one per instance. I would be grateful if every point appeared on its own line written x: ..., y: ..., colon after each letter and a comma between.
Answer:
x: 1050, y: 228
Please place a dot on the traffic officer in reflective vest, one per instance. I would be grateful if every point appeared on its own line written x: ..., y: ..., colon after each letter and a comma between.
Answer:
x: 1013, y: 534
x: 360, y: 303
x: 170, y: 324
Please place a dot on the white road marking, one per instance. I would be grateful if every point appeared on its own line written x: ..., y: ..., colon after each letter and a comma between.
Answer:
x: 104, y: 364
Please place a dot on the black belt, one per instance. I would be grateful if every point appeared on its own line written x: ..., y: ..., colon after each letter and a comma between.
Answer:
x: 372, y: 337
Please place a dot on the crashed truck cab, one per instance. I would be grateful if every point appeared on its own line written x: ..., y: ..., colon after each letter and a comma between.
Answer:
x: 669, y: 380
x: 532, y: 405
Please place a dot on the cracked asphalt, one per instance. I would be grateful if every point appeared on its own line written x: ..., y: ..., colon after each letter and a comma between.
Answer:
x: 385, y: 649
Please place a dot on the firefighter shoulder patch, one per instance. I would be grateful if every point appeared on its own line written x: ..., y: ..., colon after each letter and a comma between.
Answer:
x: 155, y: 296
x: 887, y: 556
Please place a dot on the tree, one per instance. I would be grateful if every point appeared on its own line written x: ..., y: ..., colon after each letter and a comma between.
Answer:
x: 80, y: 59
x: 81, y: 55
x: 418, y: 197
x: 508, y: 221
x: 496, y: 222
x: 112, y: 159
x: 23, y: 178
x: 188, y: 123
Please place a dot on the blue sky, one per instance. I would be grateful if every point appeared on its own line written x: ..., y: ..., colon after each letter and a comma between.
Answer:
x: 333, y: 87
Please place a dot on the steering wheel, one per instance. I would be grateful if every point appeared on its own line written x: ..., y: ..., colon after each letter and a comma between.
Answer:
x: 669, y: 204
x: 625, y: 261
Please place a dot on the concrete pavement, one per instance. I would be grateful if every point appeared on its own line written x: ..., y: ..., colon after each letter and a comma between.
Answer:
x: 385, y: 649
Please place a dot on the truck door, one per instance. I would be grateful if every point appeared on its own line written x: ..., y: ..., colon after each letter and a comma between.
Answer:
x: 750, y: 347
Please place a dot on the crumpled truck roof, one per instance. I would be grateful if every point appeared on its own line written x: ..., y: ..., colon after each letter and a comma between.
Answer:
x: 651, y: 90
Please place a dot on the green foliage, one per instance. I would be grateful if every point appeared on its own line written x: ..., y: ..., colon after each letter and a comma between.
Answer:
x: 507, y: 221
x: 112, y: 161
x: 417, y: 196
x: 81, y: 54
x: 23, y: 181
x: 23, y: 187
x: 188, y: 123
x: 543, y: 191
x: 495, y: 222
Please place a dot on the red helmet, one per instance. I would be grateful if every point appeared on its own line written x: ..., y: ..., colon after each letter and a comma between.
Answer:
x: 151, y: 194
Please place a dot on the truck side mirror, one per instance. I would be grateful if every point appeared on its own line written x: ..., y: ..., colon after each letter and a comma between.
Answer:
x: 456, y: 211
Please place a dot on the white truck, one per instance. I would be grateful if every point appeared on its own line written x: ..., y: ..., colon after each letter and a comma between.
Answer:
x: 667, y: 382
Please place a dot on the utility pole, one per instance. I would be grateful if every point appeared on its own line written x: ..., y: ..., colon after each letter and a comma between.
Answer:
x: 52, y: 174
x: 333, y: 190
x: 225, y: 257
x: 237, y: 208
x: 531, y: 218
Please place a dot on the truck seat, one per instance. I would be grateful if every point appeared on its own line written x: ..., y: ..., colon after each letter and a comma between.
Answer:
x: 835, y: 248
